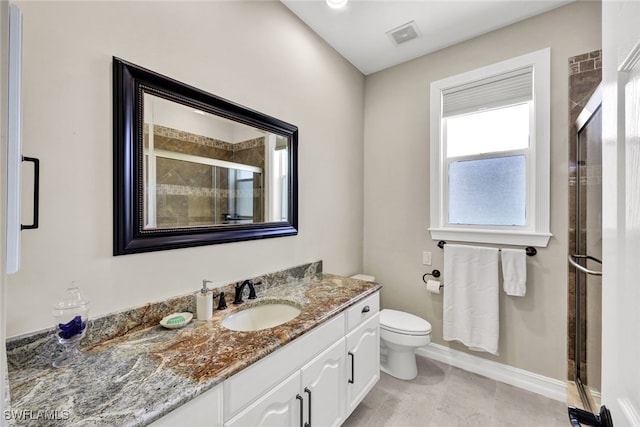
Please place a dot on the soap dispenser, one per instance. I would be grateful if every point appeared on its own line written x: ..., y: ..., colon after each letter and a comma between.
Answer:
x: 204, y: 302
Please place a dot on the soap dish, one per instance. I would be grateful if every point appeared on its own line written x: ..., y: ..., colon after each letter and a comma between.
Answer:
x: 176, y: 320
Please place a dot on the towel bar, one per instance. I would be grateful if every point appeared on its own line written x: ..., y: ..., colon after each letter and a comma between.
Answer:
x: 530, y: 250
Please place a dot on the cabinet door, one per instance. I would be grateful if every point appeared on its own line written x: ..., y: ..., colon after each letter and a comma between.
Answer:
x: 277, y: 408
x: 323, y: 387
x: 203, y: 411
x: 363, y: 361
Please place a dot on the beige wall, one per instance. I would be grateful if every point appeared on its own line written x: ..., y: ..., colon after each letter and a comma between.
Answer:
x: 254, y: 53
x: 533, y: 328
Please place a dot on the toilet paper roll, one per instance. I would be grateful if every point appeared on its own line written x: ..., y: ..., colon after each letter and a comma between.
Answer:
x: 433, y: 286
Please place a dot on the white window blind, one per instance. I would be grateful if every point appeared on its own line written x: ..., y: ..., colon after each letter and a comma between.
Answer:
x: 493, y: 92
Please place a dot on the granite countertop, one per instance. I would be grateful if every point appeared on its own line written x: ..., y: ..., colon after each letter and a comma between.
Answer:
x: 137, y: 376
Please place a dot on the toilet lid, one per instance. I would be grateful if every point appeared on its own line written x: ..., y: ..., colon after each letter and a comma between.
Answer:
x: 404, y: 323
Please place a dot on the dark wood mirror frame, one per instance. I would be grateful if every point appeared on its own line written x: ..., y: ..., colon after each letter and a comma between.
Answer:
x: 128, y: 234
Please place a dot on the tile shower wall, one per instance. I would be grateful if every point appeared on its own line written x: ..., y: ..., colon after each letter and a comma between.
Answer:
x: 585, y: 73
x: 189, y: 194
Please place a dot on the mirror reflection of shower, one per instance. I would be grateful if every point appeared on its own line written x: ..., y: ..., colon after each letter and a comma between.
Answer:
x: 588, y: 252
x: 201, y: 170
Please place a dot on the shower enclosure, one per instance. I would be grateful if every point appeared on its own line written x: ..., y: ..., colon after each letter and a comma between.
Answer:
x: 586, y: 256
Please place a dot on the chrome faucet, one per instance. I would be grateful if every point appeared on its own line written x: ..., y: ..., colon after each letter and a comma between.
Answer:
x: 240, y: 287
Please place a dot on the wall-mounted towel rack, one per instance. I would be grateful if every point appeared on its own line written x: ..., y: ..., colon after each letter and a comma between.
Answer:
x: 530, y: 250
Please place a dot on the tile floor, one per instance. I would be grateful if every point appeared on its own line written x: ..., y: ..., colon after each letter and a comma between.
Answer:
x: 444, y: 396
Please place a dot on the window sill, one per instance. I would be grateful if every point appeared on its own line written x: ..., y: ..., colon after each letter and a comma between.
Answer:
x: 517, y: 238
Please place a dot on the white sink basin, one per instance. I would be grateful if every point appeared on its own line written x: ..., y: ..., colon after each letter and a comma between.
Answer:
x: 261, y: 317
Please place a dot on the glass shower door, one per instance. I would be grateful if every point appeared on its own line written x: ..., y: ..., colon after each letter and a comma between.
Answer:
x: 587, y: 257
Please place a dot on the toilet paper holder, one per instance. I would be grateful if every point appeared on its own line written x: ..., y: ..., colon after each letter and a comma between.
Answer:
x: 435, y: 274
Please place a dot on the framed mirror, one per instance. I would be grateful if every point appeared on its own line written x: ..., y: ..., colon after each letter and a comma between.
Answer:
x: 191, y: 168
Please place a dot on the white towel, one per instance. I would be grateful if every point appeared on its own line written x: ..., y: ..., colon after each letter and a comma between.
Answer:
x: 514, y: 272
x: 471, y: 297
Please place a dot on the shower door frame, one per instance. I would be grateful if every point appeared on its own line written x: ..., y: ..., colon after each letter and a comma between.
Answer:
x: 593, y: 106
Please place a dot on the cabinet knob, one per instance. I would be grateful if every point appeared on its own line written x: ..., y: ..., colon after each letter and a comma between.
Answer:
x: 366, y: 309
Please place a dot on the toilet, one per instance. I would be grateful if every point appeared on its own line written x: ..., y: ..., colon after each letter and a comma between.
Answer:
x: 400, y: 335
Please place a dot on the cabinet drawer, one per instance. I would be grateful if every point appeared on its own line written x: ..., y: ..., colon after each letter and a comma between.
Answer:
x: 362, y: 311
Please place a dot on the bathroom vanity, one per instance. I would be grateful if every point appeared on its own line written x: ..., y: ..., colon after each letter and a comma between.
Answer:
x: 318, y: 378
x: 313, y: 369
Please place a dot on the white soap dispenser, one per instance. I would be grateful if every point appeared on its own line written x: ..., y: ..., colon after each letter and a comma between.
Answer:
x: 204, y: 302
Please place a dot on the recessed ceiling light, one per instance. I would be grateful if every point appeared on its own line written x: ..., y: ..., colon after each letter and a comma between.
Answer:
x: 337, y: 4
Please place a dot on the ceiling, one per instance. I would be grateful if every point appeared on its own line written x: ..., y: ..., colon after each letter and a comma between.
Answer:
x: 359, y: 30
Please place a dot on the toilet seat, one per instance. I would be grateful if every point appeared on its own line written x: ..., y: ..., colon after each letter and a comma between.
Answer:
x: 403, y: 323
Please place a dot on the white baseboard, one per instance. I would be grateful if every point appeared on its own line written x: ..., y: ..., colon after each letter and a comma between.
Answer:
x: 630, y: 412
x: 545, y: 386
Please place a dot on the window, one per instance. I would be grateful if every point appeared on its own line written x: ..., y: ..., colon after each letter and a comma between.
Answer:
x: 490, y: 153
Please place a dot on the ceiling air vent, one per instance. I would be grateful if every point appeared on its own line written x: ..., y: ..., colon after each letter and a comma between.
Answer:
x: 404, y: 33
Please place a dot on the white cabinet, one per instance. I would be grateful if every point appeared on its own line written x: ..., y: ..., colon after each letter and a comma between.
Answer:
x: 314, y: 395
x: 203, y: 411
x: 363, y: 351
x: 324, y: 387
x: 255, y: 381
x: 316, y: 380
